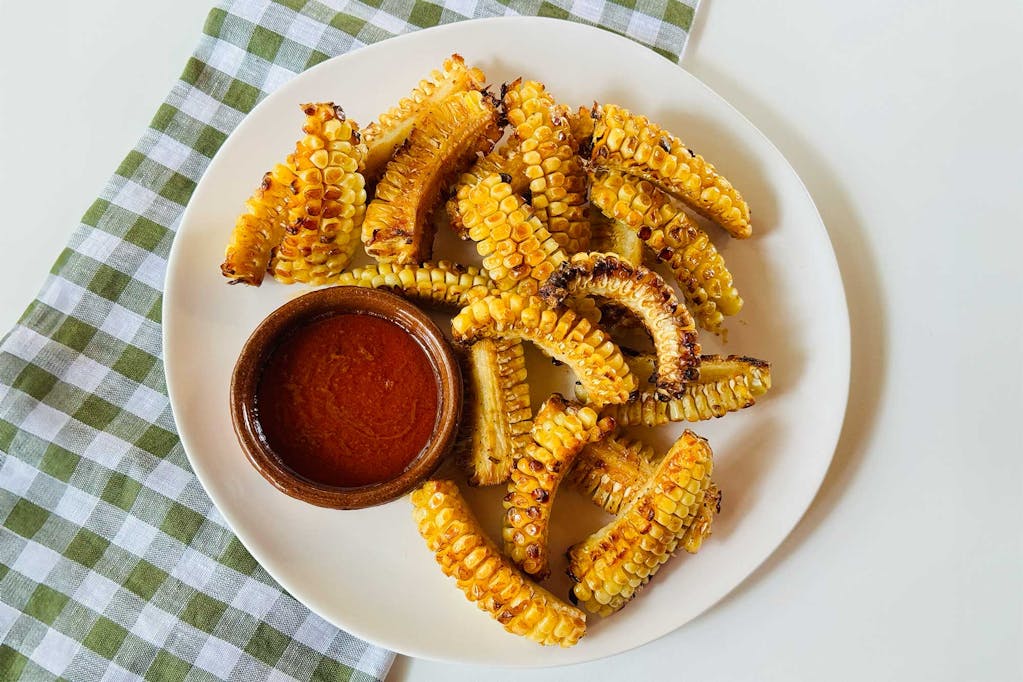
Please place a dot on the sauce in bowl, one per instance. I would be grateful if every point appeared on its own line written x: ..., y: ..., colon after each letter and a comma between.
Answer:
x: 348, y: 400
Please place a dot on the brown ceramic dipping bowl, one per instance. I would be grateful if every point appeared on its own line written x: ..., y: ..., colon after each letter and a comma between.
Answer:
x: 319, y: 304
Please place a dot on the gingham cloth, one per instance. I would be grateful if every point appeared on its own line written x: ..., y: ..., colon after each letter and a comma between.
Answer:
x: 114, y: 564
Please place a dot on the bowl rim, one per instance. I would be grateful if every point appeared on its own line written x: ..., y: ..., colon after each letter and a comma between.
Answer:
x: 321, y: 303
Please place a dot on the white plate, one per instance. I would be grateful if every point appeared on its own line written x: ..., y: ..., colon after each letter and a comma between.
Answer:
x: 368, y: 571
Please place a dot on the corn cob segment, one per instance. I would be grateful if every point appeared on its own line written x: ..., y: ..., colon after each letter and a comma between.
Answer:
x: 633, y: 145
x: 442, y: 283
x: 562, y: 334
x: 518, y: 252
x: 696, y: 264
x: 557, y: 178
x: 726, y: 384
x: 643, y: 292
x: 613, y: 564
x: 608, y: 235
x: 445, y: 141
x: 259, y: 230
x: 501, y: 414
x: 485, y: 576
x: 506, y: 161
x: 700, y: 529
x: 561, y: 429
x: 329, y: 204
x: 611, y: 471
x: 390, y: 131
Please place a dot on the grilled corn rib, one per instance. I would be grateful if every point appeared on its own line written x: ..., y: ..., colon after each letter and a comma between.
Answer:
x: 557, y: 178
x: 562, y: 334
x: 506, y: 161
x: 613, y: 564
x: 633, y: 145
x: 501, y: 415
x: 726, y: 384
x: 518, y: 252
x: 608, y: 235
x: 700, y: 529
x: 329, y: 203
x: 443, y: 143
x: 644, y: 293
x: 260, y: 229
x: 561, y: 429
x: 699, y: 269
x: 442, y: 283
x: 612, y: 470
x: 390, y: 131
x: 484, y: 575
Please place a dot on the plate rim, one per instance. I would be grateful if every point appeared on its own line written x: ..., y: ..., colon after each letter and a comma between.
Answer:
x: 844, y: 353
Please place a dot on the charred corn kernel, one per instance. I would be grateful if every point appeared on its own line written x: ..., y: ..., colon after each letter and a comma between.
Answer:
x: 561, y: 429
x: 444, y: 143
x: 485, y: 576
x: 393, y: 127
x: 608, y: 235
x: 442, y: 283
x: 557, y: 177
x: 611, y: 471
x: 676, y: 240
x: 518, y: 252
x: 500, y: 415
x: 505, y: 161
x: 611, y: 565
x: 726, y: 384
x: 633, y: 145
x: 259, y: 230
x: 329, y: 204
x: 647, y: 296
x: 700, y: 529
x: 563, y: 334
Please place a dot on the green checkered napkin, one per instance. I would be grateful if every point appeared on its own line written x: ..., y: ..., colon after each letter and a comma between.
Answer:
x: 114, y: 564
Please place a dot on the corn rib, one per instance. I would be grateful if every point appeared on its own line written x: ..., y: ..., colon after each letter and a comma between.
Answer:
x: 259, y: 230
x: 484, y: 575
x: 696, y: 264
x: 561, y: 429
x: 329, y: 204
x: 390, y: 131
x: 611, y: 471
x: 557, y: 177
x: 501, y: 416
x: 563, y: 334
x: 445, y: 141
x: 442, y: 283
x: 613, y: 564
x: 633, y: 145
x: 646, y: 295
x: 518, y: 252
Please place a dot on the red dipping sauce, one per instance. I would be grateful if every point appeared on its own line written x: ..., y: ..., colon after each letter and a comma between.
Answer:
x: 348, y: 400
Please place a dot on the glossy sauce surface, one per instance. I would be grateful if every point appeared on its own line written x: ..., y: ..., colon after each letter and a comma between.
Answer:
x: 348, y: 400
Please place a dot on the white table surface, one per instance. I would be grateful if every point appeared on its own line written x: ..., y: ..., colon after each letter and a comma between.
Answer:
x: 906, y: 122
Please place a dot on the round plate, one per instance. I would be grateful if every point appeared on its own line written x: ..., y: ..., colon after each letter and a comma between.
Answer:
x: 368, y: 571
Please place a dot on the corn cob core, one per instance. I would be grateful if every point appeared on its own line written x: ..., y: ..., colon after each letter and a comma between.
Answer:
x: 259, y: 229
x: 563, y: 334
x: 447, y: 140
x: 633, y: 145
x: 557, y: 178
x: 518, y: 252
x: 696, y: 264
x: 608, y: 235
x: 560, y: 430
x: 611, y: 471
x: 610, y: 566
x: 643, y: 292
x: 726, y: 384
x: 389, y: 132
x: 443, y: 283
x: 484, y: 575
x: 327, y: 210
x: 700, y: 529
x: 501, y: 415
